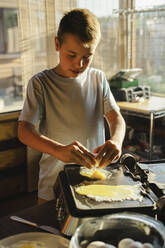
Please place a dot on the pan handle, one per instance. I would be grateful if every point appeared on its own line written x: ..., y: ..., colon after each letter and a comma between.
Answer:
x: 129, y: 160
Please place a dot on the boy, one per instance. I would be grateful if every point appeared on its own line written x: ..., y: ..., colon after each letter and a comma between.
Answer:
x: 70, y: 102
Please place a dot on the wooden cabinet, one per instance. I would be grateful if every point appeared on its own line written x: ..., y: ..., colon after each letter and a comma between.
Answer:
x: 13, y: 169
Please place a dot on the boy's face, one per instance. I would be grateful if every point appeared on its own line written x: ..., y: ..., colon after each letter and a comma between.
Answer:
x: 75, y: 56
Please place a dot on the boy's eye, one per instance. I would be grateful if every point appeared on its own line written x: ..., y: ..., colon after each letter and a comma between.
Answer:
x: 85, y: 58
x: 71, y: 55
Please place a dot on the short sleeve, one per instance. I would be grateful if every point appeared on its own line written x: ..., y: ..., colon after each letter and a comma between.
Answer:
x: 33, y: 109
x: 109, y: 101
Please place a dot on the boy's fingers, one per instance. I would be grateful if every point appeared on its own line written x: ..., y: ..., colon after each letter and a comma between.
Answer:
x: 84, y: 155
x: 107, y: 159
x: 97, y: 149
x: 90, y: 157
x: 80, y: 161
x: 101, y: 154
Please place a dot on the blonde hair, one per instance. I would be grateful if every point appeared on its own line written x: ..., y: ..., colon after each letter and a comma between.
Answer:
x: 80, y: 22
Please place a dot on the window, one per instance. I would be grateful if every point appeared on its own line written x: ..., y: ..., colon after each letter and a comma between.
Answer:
x: 10, y: 72
x: 108, y: 55
x: 133, y: 36
x: 27, y: 33
x: 146, y: 37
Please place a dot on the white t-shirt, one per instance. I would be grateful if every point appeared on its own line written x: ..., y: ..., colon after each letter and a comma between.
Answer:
x: 67, y: 109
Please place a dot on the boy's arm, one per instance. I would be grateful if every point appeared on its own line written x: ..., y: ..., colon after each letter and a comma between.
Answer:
x: 117, y: 126
x: 71, y: 153
x: 112, y: 148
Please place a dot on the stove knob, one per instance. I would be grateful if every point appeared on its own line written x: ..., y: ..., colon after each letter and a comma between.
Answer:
x: 160, y: 204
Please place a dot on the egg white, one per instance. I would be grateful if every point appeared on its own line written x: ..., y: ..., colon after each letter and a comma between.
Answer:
x: 100, y: 192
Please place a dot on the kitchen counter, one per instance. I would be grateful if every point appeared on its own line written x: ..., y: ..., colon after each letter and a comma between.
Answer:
x: 151, y: 109
x: 43, y: 214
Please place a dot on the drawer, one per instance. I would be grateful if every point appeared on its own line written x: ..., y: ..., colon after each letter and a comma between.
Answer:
x: 13, y: 157
x: 8, y: 130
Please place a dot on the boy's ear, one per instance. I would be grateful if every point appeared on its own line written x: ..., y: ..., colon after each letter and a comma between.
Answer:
x: 57, y: 43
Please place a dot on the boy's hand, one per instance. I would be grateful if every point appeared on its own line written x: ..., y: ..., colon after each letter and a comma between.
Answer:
x: 107, y: 153
x: 78, y: 154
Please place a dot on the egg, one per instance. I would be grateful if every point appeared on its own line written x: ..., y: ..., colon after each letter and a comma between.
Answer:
x: 147, y: 245
x: 84, y: 243
x: 99, y: 244
x: 125, y: 242
x: 135, y: 245
x: 95, y: 173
